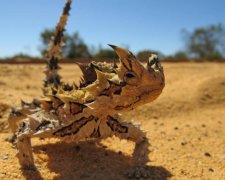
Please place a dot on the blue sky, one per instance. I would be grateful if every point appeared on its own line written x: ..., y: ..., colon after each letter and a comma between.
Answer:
x: 137, y: 24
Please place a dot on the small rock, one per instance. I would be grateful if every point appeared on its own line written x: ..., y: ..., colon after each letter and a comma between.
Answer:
x: 210, y: 169
x: 183, y: 143
x: 28, y: 87
x: 203, y: 125
x: 207, y: 154
x: 176, y: 128
x: 207, y: 95
x: 5, y: 157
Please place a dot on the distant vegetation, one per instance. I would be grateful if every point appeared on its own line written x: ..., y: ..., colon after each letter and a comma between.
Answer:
x: 202, y: 44
x: 74, y: 48
x: 206, y: 42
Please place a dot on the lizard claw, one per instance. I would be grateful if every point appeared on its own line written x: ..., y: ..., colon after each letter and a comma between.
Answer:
x: 138, y: 172
x: 30, y: 167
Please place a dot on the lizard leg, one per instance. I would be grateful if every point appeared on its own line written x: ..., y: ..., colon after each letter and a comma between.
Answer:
x: 13, y: 125
x: 15, y: 117
x: 129, y: 131
x: 24, y: 153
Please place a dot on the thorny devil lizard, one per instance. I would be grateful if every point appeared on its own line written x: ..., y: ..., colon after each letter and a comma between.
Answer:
x: 90, y: 110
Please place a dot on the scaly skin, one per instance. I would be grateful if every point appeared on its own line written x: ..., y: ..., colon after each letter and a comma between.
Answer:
x: 90, y: 110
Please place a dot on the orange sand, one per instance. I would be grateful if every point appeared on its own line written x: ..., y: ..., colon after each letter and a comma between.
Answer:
x: 186, y: 129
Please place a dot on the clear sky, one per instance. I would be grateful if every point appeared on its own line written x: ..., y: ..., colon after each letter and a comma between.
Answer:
x: 138, y: 24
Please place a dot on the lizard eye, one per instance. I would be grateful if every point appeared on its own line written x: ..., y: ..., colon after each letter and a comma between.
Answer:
x: 129, y: 75
x: 130, y: 78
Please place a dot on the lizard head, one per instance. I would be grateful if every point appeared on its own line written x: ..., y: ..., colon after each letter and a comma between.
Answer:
x: 122, y: 87
x: 141, y: 83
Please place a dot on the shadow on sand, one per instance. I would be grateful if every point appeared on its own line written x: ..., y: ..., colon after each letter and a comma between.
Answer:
x: 88, y: 161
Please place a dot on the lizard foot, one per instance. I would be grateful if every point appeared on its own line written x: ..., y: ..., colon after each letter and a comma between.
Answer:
x: 138, y: 172
x: 30, y: 168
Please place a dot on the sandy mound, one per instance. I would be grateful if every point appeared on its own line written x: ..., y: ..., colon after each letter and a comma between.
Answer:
x: 212, y: 92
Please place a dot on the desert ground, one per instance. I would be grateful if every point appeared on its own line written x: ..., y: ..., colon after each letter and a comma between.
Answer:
x: 185, y: 127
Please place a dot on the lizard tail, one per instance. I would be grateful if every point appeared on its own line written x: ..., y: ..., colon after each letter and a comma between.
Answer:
x: 54, y: 53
